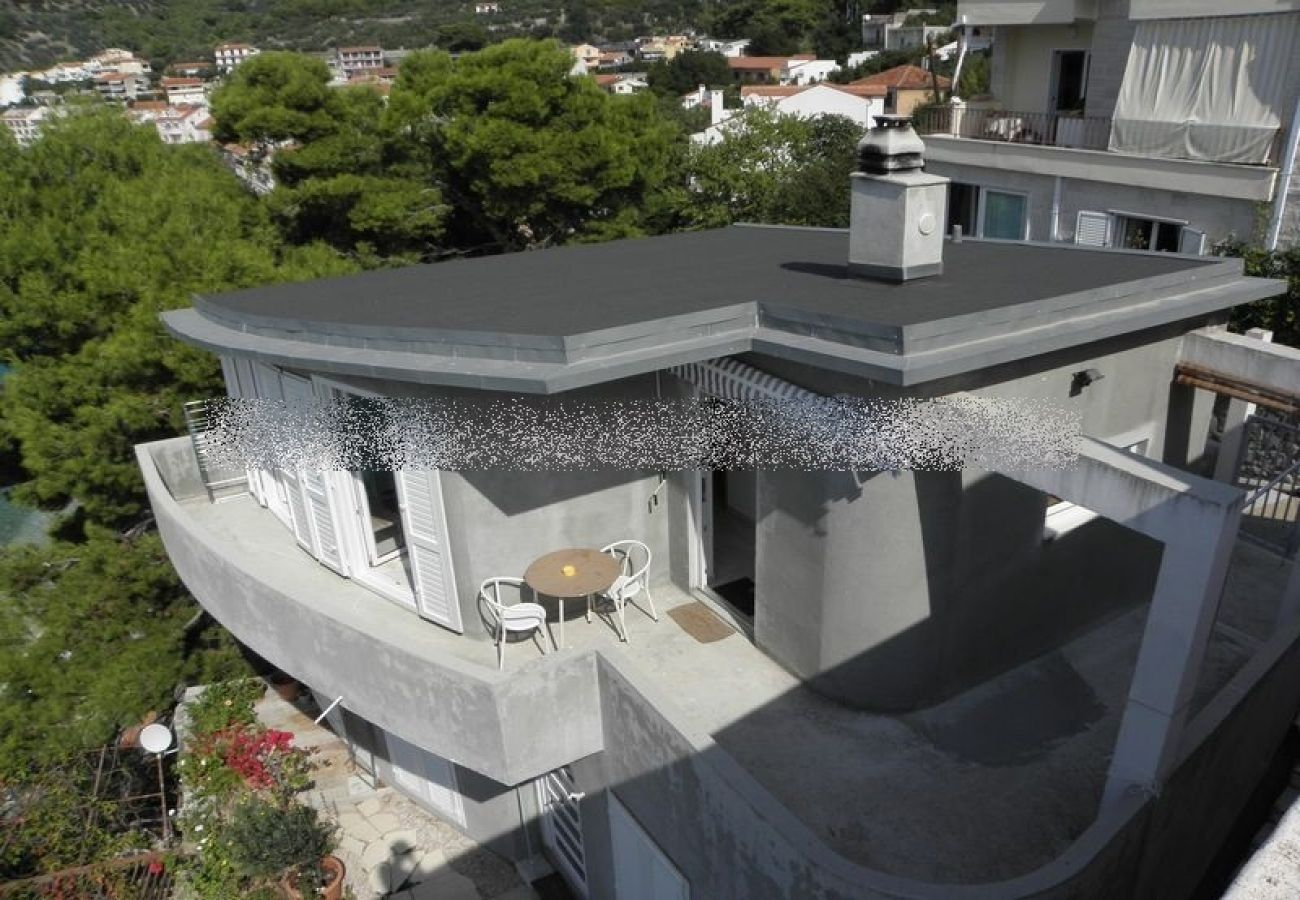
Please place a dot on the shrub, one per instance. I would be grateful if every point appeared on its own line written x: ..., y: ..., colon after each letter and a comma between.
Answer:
x: 268, y: 839
x: 223, y: 706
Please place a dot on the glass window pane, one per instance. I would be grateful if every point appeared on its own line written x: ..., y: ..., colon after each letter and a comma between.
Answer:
x: 1004, y: 216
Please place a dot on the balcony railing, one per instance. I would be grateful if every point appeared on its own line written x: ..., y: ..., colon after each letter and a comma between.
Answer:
x: 1050, y: 129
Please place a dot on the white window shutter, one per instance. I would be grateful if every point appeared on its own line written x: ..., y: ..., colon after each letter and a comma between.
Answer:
x: 1191, y: 240
x: 299, y: 514
x: 240, y: 385
x: 419, y: 493
x: 1092, y: 228
x: 324, y: 521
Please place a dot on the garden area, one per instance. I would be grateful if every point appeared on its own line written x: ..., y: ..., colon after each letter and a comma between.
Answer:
x: 246, y: 832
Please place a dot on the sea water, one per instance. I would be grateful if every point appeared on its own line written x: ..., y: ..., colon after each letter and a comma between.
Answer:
x: 18, y: 525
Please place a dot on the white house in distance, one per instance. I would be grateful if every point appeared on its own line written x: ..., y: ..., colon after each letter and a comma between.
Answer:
x: 729, y: 47
x: 185, y: 91
x: 24, y: 123
x: 176, y: 124
x: 1098, y: 132
x: 802, y: 68
x: 860, y: 104
x: 359, y: 59
x: 489, y: 8
x: 228, y: 56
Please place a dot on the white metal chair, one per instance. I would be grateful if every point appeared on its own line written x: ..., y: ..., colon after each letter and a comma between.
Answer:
x: 633, y: 579
x: 517, y: 617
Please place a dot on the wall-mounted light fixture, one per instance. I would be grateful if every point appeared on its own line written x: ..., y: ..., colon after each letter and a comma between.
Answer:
x: 1084, y: 378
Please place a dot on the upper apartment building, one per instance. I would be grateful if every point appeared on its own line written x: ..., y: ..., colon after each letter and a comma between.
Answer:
x: 834, y: 683
x: 230, y: 55
x: 1148, y: 124
x: 354, y: 60
x: 24, y: 123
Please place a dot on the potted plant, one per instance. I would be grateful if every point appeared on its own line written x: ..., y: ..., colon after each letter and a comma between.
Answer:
x: 286, y: 686
x: 269, y: 840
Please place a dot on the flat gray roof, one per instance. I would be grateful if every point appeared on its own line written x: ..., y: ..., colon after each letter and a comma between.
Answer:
x: 591, y: 287
x: 551, y: 320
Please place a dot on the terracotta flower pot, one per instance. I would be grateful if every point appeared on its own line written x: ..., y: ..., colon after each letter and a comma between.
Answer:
x: 332, y: 870
x: 286, y: 686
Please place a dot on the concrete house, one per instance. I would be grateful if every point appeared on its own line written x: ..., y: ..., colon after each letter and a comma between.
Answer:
x: 1100, y: 130
x: 857, y: 684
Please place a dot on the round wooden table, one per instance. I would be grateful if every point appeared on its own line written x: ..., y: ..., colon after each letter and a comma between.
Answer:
x: 588, y: 572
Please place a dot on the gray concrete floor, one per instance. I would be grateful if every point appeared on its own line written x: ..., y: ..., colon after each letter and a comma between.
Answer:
x: 988, y: 785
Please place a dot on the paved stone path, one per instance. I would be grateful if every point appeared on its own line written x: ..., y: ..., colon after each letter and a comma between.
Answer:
x: 391, y: 847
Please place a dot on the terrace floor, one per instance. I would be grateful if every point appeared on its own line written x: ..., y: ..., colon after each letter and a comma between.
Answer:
x: 990, y: 784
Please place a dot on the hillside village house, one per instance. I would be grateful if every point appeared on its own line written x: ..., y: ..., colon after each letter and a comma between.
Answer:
x: 905, y: 87
x: 230, y: 55
x: 1099, y: 130
x: 840, y: 684
x: 356, y: 60
x: 185, y: 91
x: 24, y: 123
x: 858, y: 103
x: 799, y: 69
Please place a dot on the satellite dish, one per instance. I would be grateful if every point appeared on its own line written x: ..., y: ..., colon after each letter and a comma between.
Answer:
x: 155, y: 738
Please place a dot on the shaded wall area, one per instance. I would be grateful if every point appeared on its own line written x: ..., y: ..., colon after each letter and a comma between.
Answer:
x: 894, y: 590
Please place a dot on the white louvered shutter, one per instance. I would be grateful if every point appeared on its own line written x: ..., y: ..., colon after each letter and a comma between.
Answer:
x: 240, y: 385
x: 324, y: 521
x: 419, y: 493
x: 1092, y: 229
x: 310, y: 513
x: 299, y: 514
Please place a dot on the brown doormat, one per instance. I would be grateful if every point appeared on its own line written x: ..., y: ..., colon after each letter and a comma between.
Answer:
x: 699, y: 622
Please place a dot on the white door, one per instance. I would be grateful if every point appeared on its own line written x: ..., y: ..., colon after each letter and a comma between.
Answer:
x: 427, y: 777
x: 562, y: 826
x: 641, y: 870
x: 419, y: 496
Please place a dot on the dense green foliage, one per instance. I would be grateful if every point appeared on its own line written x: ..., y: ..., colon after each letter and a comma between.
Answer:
x: 95, y: 635
x: 1281, y: 315
x: 775, y: 169
x: 104, y: 228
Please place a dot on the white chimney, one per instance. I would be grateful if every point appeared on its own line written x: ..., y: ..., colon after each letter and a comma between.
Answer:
x: 716, y: 112
x: 896, y: 221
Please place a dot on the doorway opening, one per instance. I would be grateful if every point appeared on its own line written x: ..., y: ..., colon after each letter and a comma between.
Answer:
x: 1069, y: 81
x: 730, y: 501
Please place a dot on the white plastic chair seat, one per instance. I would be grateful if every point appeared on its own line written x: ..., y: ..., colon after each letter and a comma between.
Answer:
x: 522, y: 616
x: 515, y: 617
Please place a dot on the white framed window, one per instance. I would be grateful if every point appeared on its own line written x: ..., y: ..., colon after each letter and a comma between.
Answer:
x: 1137, y: 231
x: 988, y: 212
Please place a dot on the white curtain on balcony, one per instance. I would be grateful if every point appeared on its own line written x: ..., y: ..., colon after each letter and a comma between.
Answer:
x: 1211, y: 89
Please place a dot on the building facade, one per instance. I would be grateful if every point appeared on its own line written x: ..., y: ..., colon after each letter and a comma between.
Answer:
x: 817, y: 702
x: 1098, y: 134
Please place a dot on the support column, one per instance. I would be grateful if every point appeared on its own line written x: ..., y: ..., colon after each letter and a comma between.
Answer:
x: 1234, y: 425
x: 1198, y: 548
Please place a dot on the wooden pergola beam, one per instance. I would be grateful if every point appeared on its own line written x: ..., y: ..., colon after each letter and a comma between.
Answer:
x: 1231, y: 386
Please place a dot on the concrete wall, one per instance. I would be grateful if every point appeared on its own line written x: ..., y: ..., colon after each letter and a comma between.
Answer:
x: 894, y: 590
x: 1112, y: 36
x: 701, y: 810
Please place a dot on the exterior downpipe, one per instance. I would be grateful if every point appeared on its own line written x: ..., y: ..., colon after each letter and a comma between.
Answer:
x: 1284, y: 180
x: 1056, y: 209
